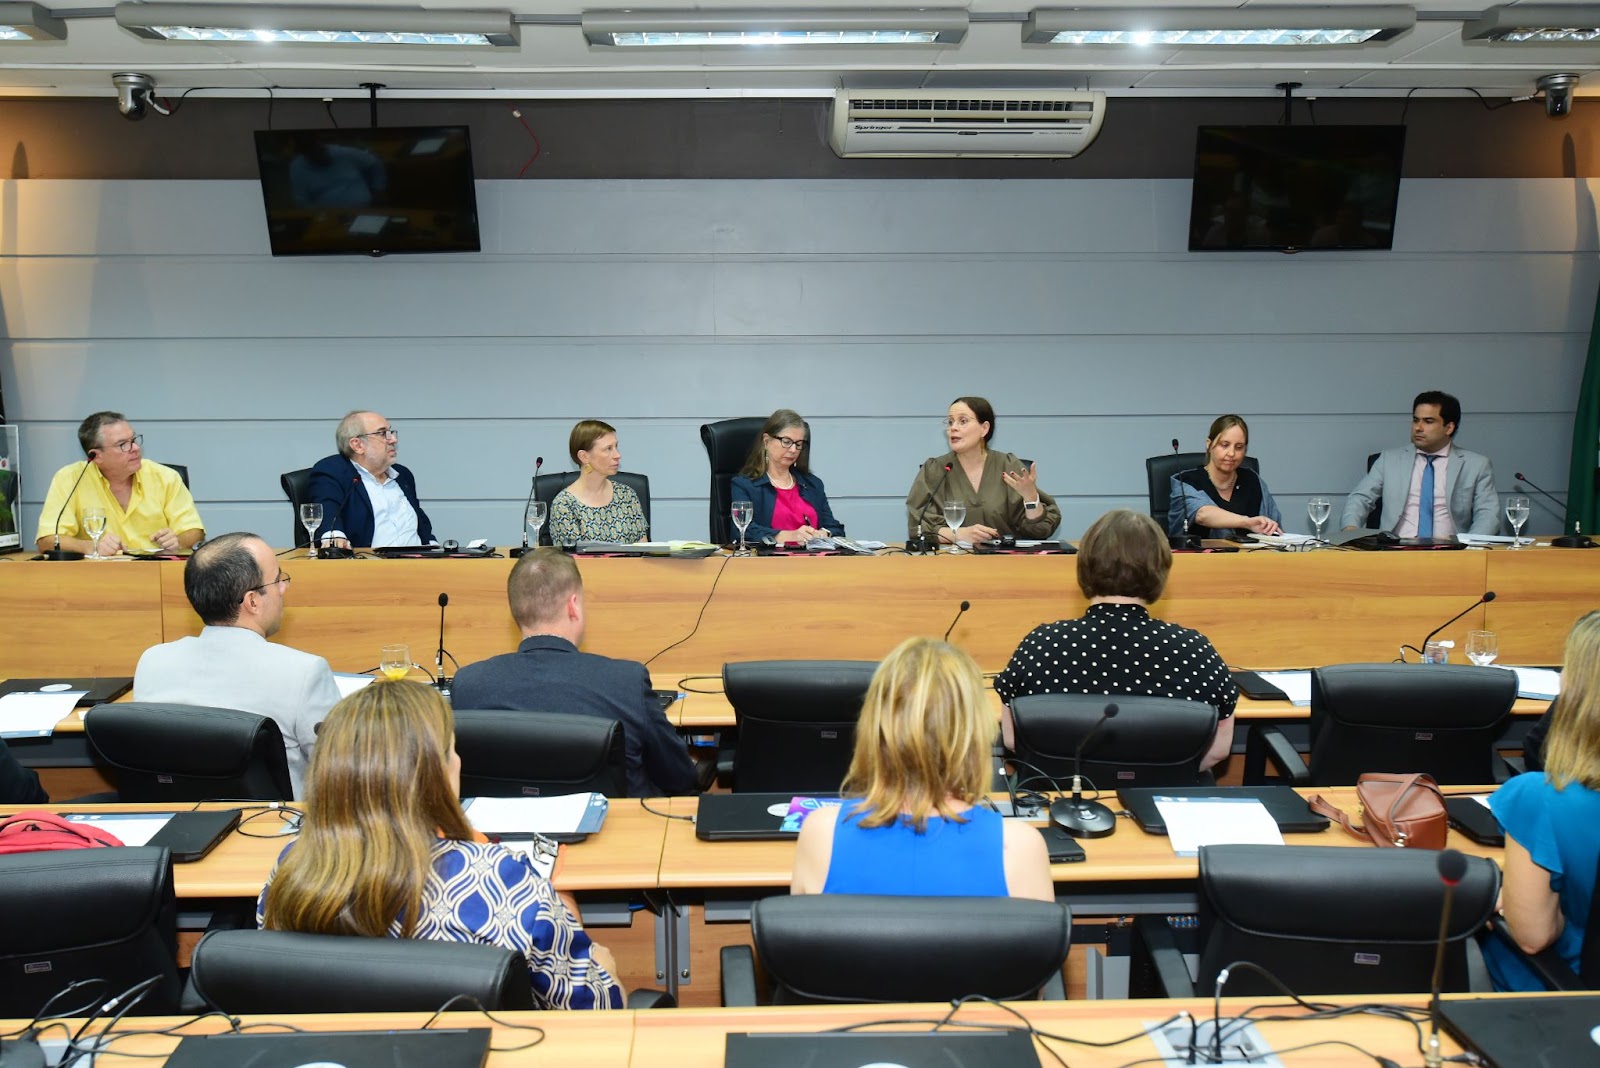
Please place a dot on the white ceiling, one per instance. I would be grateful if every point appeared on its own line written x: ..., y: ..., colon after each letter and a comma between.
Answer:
x: 554, y: 60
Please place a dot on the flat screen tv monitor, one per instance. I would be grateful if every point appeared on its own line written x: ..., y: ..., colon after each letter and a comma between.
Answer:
x: 1295, y: 188
x: 368, y: 191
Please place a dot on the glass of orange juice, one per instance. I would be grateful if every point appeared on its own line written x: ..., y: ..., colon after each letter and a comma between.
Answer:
x: 395, y: 661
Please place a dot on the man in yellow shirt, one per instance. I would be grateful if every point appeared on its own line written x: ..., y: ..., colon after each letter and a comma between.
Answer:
x: 147, y: 506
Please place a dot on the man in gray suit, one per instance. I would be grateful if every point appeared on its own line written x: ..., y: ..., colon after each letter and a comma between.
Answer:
x: 237, y: 588
x: 1430, y: 488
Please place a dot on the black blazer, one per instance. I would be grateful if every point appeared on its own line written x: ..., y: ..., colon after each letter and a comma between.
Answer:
x: 335, y: 481
x: 18, y: 785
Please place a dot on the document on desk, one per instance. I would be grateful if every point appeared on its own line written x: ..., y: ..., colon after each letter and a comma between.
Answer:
x: 1196, y: 821
x: 563, y: 814
x: 349, y: 684
x: 1296, y: 684
x: 35, y: 715
x: 1538, y: 684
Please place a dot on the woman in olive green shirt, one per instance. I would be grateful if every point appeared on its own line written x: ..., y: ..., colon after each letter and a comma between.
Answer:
x: 1001, y: 493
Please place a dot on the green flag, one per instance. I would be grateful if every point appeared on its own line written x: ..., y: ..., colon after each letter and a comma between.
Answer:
x: 1582, y: 505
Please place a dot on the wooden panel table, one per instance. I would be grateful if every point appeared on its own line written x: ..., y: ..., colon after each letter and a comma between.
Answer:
x: 84, y: 617
x: 1539, y: 594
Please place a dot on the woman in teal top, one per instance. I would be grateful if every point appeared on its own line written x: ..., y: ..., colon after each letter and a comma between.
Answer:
x: 1552, y: 824
x: 912, y: 822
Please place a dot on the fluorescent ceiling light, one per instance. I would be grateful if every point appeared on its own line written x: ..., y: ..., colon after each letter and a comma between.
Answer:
x: 1247, y: 27
x: 30, y: 22
x: 293, y: 24
x: 1536, y: 24
x: 774, y: 28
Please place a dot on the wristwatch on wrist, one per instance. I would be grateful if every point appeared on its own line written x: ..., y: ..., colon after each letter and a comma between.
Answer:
x: 1029, y: 506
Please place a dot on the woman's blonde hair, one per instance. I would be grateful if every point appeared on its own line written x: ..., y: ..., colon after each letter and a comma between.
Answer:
x: 924, y: 736
x: 378, y: 799
x: 1572, y: 748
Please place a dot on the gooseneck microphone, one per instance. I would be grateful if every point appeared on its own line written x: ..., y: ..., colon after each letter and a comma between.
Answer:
x: 1080, y: 818
x: 1452, y: 869
x: 1575, y: 540
x: 1187, y: 541
x: 923, y: 542
x: 441, y: 680
x: 1174, y: 446
x: 533, y: 484
x: 56, y: 552
x: 1485, y: 599
x: 961, y: 611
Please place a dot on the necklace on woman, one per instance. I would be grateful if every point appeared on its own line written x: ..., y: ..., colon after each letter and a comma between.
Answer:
x: 1234, y: 481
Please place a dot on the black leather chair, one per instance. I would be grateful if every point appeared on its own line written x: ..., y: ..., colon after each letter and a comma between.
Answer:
x: 1153, y: 741
x: 1441, y: 719
x: 1547, y: 964
x: 167, y: 753
x: 795, y: 722
x: 183, y: 472
x: 87, y: 914
x: 1375, y: 514
x: 518, y: 754
x: 297, y: 487
x: 848, y: 948
x: 545, y: 488
x: 1326, y: 920
x: 727, y: 444
x: 1158, y: 471
x: 282, y: 972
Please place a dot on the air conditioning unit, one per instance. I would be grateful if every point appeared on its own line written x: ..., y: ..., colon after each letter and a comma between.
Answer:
x: 994, y: 122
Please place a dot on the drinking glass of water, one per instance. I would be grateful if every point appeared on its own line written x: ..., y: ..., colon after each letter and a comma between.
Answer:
x: 1482, y: 647
x: 955, y: 512
x: 743, y: 512
x: 311, y: 519
x: 94, y: 525
x: 537, y: 512
x: 1517, y: 513
x: 1317, y: 510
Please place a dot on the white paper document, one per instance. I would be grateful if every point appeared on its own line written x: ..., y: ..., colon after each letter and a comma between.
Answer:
x: 130, y: 828
x: 1196, y: 821
x: 1536, y: 683
x: 563, y: 814
x: 35, y: 715
x: 349, y: 684
x: 1285, y: 538
x: 1296, y: 684
x: 1491, y: 539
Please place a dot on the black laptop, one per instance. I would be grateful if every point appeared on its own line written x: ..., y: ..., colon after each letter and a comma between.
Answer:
x: 855, y: 1049
x: 189, y: 836
x: 1532, y: 1032
x: 746, y: 817
x: 97, y: 691
x: 349, y: 1049
x: 1287, y: 808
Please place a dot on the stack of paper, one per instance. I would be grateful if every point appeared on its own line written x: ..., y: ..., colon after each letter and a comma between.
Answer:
x: 1196, y: 821
x: 35, y: 715
x: 566, y: 814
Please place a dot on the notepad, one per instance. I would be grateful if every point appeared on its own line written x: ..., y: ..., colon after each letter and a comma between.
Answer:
x: 1539, y: 684
x: 35, y: 715
x: 1196, y: 821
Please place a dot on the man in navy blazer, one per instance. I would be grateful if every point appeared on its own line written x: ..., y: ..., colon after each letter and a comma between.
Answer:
x: 367, y: 499
x: 547, y: 673
x: 1461, y: 492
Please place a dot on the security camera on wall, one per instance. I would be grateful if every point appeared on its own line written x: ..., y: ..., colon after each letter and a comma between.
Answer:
x: 136, y: 95
x: 1557, y: 89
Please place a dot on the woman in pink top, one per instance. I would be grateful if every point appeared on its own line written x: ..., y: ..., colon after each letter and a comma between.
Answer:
x: 789, y: 503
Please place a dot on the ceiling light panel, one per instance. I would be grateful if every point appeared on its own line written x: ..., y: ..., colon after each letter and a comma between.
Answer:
x: 1536, y: 24
x: 768, y: 28
x: 1250, y: 27
x: 29, y: 22
x: 339, y: 25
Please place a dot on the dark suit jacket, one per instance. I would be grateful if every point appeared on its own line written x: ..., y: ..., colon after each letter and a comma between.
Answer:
x: 335, y: 480
x: 18, y: 785
x: 763, y: 497
x: 549, y: 674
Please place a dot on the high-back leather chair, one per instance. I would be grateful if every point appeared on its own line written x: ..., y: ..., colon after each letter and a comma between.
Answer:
x: 297, y: 487
x: 1375, y: 513
x: 796, y: 722
x: 545, y: 488
x: 1327, y: 920
x: 532, y: 754
x: 87, y: 914
x: 1158, y: 471
x: 182, y: 470
x: 1441, y: 719
x: 727, y: 444
x: 286, y: 972
x: 1152, y: 741
x: 172, y: 753
x: 854, y: 948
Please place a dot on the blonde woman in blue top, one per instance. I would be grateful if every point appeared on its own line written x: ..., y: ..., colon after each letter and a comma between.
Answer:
x: 913, y: 822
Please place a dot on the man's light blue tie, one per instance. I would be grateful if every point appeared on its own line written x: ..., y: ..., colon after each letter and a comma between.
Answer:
x: 1425, y: 505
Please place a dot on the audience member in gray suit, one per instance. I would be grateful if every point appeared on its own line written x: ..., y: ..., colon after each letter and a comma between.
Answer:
x: 1463, y: 495
x: 547, y: 673
x: 237, y: 588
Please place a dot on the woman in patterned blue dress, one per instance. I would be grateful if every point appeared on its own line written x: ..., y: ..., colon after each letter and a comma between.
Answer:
x: 385, y: 849
x: 594, y: 507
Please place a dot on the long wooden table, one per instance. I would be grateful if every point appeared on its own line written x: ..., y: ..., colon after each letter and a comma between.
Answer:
x: 1261, y: 610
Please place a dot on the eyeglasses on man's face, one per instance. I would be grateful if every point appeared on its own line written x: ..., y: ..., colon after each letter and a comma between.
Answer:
x: 387, y: 433
x: 282, y: 581
x: 128, y: 445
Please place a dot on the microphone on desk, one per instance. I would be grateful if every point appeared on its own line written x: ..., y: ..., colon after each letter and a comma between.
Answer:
x: 961, y: 611
x: 1488, y: 596
x: 57, y: 552
x: 538, y: 462
x: 1575, y: 540
x: 1187, y: 541
x: 1452, y: 869
x: 1080, y: 818
x: 440, y: 679
x: 333, y: 552
x: 923, y: 543
x: 1174, y: 446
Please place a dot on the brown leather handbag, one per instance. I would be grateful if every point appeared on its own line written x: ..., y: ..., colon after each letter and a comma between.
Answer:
x: 1403, y: 811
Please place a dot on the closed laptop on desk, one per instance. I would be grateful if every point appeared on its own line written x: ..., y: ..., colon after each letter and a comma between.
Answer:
x: 1287, y: 808
x: 750, y: 817
x: 348, y: 1049
x: 95, y: 691
x: 1513, y: 1032
x: 926, y: 1049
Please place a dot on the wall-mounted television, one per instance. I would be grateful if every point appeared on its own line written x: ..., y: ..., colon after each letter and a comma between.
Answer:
x: 368, y: 191
x: 1294, y: 188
